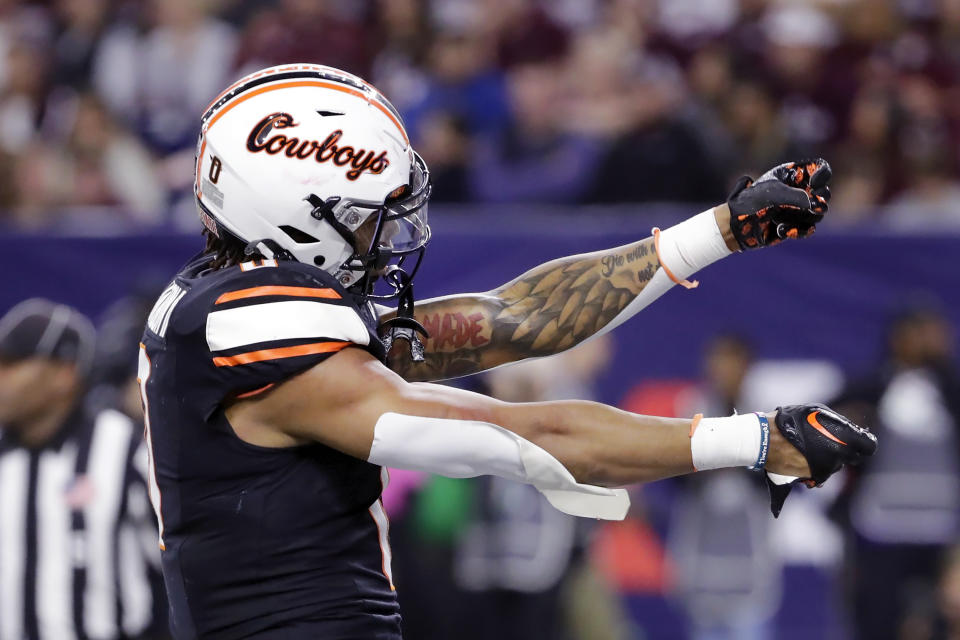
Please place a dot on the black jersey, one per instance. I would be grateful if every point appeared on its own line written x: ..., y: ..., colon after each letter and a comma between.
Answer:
x: 259, y: 542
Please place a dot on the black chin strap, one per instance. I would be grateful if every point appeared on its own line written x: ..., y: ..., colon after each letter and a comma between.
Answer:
x: 323, y: 210
x: 268, y: 249
x: 404, y: 326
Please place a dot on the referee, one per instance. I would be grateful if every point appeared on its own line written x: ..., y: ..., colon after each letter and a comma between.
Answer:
x: 77, y: 538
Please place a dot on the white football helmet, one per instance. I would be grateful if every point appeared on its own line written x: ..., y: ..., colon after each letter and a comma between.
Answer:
x: 298, y: 158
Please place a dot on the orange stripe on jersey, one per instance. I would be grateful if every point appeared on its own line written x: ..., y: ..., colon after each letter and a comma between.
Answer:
x: 281, y: 352
x: 257, y: 292
x: 250, y: 394
x: 306, y: 83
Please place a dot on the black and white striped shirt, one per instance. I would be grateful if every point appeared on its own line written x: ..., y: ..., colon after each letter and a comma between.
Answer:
x: 77, y: 536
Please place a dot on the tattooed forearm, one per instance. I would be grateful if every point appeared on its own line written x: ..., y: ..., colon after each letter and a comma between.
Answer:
x: 546, y: 310
x: 558, y: 305
x: 456, y: 330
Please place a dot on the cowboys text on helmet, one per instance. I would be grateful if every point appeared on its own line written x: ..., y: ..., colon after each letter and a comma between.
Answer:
x: 302, y: 156
x: 330, y: 150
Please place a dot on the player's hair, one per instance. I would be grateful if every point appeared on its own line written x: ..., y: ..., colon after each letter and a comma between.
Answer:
x: 226, y: 250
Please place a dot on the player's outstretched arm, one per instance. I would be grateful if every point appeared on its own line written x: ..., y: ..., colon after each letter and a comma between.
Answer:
x: 340, y: 402
x: 561, y: 303
x: 353, y: 403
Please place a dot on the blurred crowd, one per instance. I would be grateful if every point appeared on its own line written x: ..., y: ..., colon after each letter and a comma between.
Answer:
x: 561, y: 102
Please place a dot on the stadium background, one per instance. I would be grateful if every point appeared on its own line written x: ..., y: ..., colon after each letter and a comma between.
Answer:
x: 551, y: 128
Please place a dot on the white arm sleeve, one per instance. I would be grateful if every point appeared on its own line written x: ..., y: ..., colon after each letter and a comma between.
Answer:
x: 464, y: 449
x: 685, y: 248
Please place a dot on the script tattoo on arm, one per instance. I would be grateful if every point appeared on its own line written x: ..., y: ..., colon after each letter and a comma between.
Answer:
x: 549, y: 309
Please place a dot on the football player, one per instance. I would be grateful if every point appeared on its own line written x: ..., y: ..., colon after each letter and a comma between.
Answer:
x: 277, y: 390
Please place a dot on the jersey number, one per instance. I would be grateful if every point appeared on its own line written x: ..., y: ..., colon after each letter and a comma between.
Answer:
x: 163, y: 308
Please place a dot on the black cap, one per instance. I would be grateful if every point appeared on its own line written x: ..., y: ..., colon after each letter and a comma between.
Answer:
x: 39, y: 328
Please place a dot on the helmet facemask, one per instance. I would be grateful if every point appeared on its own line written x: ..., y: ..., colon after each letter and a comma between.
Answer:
x: 400, y: 234
x: 386, y: 259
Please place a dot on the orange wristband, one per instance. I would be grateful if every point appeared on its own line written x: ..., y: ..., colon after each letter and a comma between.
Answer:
x: 684, y: 283
x: 696, y: 421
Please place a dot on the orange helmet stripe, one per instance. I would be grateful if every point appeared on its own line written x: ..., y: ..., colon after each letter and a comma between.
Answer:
x: 281, y: 69
x: 306, y: 83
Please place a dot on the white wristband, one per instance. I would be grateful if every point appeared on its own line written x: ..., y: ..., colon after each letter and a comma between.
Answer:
x: 693, y: 244
x: 735, y: 441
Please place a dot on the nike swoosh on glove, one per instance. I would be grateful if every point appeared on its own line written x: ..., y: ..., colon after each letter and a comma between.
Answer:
x: 827, y: 440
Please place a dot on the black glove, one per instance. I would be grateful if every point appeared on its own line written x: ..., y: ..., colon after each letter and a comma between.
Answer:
x: 825, y: 438
x: 786, y: 202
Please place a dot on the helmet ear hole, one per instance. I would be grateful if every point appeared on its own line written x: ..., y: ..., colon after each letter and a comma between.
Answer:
x: 319, y: 260
x: 298, y: 236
